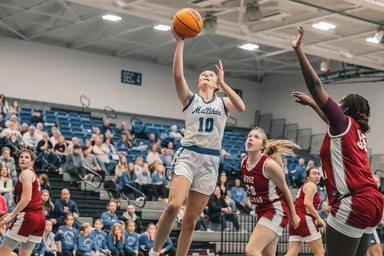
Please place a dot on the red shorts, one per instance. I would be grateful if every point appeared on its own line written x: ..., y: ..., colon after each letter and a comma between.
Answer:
x: 27, y: 226
x: 357, y: 214
x: 307, y: 231
x: 275, y: 217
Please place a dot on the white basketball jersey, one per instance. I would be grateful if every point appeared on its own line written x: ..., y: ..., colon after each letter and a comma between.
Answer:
x: 205, y: 122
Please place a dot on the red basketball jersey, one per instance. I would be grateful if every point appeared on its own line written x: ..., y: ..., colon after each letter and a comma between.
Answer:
x: 262, y: 191
x: 299, y: 204
x: 35, y: 203
x: 345, y: 163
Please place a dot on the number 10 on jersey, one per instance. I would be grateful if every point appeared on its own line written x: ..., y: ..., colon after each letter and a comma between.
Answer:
x: 205, y: 124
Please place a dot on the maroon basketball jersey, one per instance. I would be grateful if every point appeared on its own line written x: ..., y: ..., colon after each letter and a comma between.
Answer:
x: 299, y: 204
x: 262, y: 191
x: 35, y: 203
x: 345, y: 163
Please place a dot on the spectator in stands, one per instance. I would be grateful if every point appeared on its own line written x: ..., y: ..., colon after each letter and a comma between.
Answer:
x: 219, y: 212
x: 223, y: 185
x: 48, y: 207
x: 13, y: 118
x: 159, y: 146
x: 288, y: 175
x: 61, y: 149
x: 64, y: 206
x: 49, y: 240
x: 200, y: 222
x: 15, y: 107
x: 139, y: 163
x: 67, y: 234
x: 44, y: 150
x: 121, y: 167
x: 3, y: 105
x: 96, y: 131
x: 44, y: 183
x: 105, y: 127
x: 30, y: 139
x: 174, y: 133
x: 8, y: 161
x: 74, y: 141
x: 123, y: 128
x: 101, y: 238
x: 11, y: 135
x: 112, y: 151
x: 2, y: 123
x: 115, y: 240
x: 130, y: 140
x: 146, y: 239
x: 310, y: 165
x: 39, y: 130
x: 129, y: 183
x: 36, y: 118
x: 145, y: 181
x: 300, y: 172
x: 131, y: 244
x: 238, y: 195
x: 167, y: 156
x: 55, y: 137
x: 92, y: 163
x: 3, y: 206
x: 122, y: 145
x: 109, y: 217
x: 324, y: 210
x: 6, y: 186
x: 85, y: 243
x: 38, y: 250
x: 23, y: 128
x: 101, y: 152
x: 153, y: 155
x: 74, y: 165
x: 130, y: 215
x: 159, y: 182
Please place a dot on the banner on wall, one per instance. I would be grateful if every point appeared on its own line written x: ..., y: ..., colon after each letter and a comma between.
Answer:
x: 130, y: 77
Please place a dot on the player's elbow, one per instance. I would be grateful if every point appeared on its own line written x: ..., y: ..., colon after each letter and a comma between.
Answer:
x: 307, y: 203
x: 27, y: 198
x: 241, y: 108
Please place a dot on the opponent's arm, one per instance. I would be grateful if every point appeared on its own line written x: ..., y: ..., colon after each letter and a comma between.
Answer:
x: 232, y: 102
x: 182, y: 89
x: 26, y: 179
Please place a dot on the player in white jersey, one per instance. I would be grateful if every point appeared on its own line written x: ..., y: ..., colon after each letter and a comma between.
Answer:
x: 197, y: 162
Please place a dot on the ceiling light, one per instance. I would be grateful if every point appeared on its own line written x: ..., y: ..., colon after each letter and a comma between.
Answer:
x: 111, y: 17
x: 373, y: 40
x: 253, y: 13
x: 323, y: 26
x: 249, y: 47
x: 162, y: 27
x: 210, y: 24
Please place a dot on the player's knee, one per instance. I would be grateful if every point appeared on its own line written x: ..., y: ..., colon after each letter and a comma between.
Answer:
x: 189, y: 223
x: 318, y: 251
x: 251, y: 251
x: 172, y: 210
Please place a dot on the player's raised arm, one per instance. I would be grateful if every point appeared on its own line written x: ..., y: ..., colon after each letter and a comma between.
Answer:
x: 303, y: 99
x: 182, y: 89
x: 312, y: 81
x: 233, y: 102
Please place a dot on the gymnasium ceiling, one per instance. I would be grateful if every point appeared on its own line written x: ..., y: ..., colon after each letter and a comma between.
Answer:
x: 77, y: 24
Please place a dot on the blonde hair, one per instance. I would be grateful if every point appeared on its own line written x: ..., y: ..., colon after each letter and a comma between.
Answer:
x: 276, y: 148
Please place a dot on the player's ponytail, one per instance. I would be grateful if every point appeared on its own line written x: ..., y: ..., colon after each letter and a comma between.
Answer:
x: 275, y: 148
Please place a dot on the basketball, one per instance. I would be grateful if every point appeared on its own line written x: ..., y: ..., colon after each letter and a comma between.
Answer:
x: 187, y: 23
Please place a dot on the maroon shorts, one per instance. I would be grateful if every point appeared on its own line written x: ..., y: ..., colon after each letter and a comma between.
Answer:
x: 307, y: 231
x: 28, y: 226
x: 275, y: 217
x: 357, y: 214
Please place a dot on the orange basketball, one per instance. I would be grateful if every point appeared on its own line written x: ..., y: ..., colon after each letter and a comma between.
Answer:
x: 187, y: 23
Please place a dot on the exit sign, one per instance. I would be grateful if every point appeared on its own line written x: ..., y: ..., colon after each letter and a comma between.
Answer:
x: 130, y: 77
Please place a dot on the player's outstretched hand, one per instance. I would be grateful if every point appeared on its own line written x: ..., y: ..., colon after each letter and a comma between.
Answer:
x: 302, y: 98
x: 176, y: 36
x: 296, y: 41
x: 295, y: 220
x: 220, y: 72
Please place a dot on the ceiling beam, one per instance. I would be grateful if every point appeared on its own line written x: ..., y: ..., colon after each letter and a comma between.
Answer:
x: 231, y: 31
x: 105, y: 38
x: 54, y: 29
x: 31, y: 10
x: 12, y: 30
x: 69, y: 9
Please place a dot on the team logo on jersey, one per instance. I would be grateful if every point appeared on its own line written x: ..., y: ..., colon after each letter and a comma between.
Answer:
x: 207, y: 111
